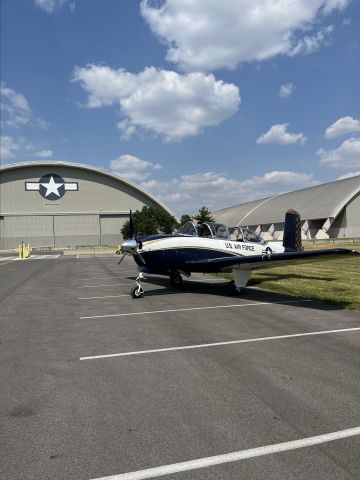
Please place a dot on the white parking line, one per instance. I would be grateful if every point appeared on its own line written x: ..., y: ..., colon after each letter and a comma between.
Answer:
x: 254, y: 304
x: 217, y: 344
x: 234, y: 456
x: 112, y: 285
x: 106, y: 296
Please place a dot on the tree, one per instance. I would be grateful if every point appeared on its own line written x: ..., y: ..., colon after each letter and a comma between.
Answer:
x: 185, y: 218
x: 149, y: 221
x: 204, y: 215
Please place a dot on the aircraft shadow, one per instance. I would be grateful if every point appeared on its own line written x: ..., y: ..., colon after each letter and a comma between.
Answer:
x: 219, y: 289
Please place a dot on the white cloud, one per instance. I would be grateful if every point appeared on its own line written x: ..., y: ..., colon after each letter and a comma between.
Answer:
x: 311, y: 43
x: 343, y: 126
x: 15, y: 106
x: 216, y: 189
x: 7, y: 147
x: 50, y: 5
x: 345, y: 156
x: 286, y: 90
x: 348, y: 175
x: 278, y: 134
x: 164, y: 102
x: 133, y: 168
x: 43, y: 153
x: 203, y: 35
x: 16, y: 110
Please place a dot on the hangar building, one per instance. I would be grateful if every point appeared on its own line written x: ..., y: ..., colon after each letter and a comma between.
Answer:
x: 52, y: 203
x: 331, y: 210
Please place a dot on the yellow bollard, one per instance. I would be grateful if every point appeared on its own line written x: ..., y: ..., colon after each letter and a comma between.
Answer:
x: 20, y: 250
x: 29, y: 250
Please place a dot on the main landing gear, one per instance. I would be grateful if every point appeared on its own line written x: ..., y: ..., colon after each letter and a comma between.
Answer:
x: 232, y: 289
x: 176, y: 279
x: 138, y: 291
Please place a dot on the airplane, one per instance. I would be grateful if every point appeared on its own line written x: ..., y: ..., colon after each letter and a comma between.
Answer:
x: 210, y: 247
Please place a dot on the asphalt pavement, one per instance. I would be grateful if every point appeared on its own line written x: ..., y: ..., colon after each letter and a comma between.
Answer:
x: 182, y: 384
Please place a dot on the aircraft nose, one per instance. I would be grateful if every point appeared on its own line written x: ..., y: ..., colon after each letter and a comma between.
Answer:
x: 129, y: 246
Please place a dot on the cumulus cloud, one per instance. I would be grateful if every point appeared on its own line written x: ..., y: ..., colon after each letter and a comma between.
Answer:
x: 7, y: 147
x: 15, y: 106
x: 16, y: 110
x: 202, y: 35
x: 278, y: 134
x: 345, y: 156
x: 164, y: 102
x: 286, y: 90
x: 343, y: 126
x: 50, y: 5
x: 133, y: 168
x: 216, y: 189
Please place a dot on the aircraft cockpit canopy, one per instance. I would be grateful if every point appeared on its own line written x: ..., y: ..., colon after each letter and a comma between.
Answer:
x: 220, y: 231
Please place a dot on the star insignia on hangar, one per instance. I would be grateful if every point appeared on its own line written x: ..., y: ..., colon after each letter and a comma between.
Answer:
x: 51, y: 186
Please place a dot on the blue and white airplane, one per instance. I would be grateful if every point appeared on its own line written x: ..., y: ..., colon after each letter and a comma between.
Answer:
x: 213, y: 247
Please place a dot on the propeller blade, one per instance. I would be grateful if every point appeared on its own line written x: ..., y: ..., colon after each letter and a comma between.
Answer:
x: 121, y: 259
x: 137, y: 254
x: 132, y: 230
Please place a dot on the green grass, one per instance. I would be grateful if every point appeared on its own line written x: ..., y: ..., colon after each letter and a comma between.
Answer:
x: 336, y: 281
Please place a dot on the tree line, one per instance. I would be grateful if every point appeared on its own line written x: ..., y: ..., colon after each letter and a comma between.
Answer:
x: 154, y: 219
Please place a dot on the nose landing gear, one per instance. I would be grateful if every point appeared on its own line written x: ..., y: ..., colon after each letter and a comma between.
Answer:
x: 138, y: 291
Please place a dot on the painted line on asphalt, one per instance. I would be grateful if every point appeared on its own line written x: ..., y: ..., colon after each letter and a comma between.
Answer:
x: 217, y: 344
x: 105, y: 296
x: 253, y: 304
x: 110, y: 277
x: 112, y: 285
x: 234, y: 456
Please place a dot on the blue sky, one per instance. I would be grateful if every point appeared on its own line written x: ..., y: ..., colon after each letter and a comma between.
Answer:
x: 201, y: 102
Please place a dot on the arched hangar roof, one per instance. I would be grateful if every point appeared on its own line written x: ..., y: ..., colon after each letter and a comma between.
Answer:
x: 85, y: 168
x: 321, y: 201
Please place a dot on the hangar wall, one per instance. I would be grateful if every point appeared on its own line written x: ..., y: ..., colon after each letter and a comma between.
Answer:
x: 88, y: 206
x: 330, y: 210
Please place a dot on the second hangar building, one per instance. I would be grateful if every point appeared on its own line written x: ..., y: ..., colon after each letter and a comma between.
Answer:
x: 330, y: 210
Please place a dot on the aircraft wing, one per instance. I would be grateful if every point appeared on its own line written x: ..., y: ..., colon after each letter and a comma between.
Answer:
x: 252, y: 262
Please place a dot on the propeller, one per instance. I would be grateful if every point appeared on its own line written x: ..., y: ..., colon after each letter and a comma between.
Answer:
x: 132, y: 245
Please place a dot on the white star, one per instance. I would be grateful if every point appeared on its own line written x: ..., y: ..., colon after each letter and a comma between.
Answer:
x: 52, y: 187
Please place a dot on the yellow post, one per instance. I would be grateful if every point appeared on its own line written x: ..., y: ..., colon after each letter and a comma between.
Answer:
x: 29, y: 250
x: 19, y: 250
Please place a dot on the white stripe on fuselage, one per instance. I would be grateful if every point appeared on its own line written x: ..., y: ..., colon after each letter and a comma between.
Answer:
x: 221, y: 245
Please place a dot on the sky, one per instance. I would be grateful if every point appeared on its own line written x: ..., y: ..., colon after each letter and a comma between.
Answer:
x: 200, y: 102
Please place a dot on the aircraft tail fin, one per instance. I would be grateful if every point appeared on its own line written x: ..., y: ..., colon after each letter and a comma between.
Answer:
x: 292, y: 232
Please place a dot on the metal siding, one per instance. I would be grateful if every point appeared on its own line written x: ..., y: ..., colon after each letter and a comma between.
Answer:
x: 36, y: 230
x: 72, y: 230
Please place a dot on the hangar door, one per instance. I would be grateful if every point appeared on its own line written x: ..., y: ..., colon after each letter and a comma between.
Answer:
x: 34, y: 229
x: 76, y: 230
x: 111, y: 225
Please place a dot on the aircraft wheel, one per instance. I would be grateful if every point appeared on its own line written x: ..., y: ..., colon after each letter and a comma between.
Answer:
x: 176, y: 280
x: 232, y: 290
x: 136, y: 292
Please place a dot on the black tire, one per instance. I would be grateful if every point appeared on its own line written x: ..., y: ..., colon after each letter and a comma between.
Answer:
x: 176, y: 280
x: 135, y: 293
x: 232, y: 290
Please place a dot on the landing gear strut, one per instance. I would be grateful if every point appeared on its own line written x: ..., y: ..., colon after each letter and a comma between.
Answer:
x: 232, y: 289
x: 176, y: 280
x: 138, y: 291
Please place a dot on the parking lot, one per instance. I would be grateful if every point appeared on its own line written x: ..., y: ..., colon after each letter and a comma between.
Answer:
x: 181, y: 384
